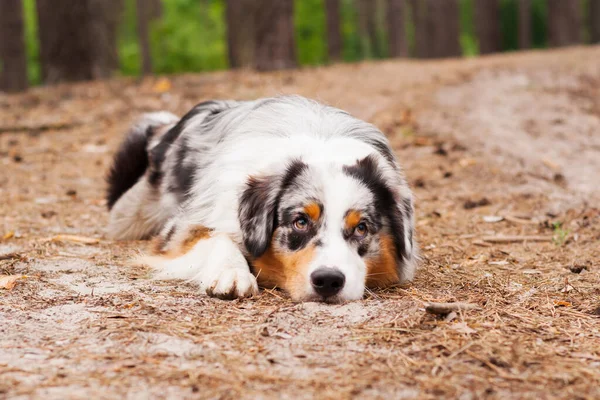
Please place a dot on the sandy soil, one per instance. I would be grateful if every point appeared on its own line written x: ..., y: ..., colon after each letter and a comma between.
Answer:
x: 513, y: 136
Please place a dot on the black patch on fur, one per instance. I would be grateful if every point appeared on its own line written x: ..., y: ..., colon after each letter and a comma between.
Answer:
x: 159, y: 152
x: 183, y: 174
x: 383, y: 149
x: 170, y: 234
x: 408, y: 208
x: 367, y: 172
x: 129, y: 165
x: 362, y: 249
x: 295, y: 241
x: 293, y: 171
x: 259, y: 204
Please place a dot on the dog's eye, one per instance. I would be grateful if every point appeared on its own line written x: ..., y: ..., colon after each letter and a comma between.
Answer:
x: 301, y: 224
x: 360, y: 231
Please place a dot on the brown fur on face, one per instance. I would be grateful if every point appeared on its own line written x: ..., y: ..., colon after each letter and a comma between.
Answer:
x: 286, y: 270
x: 352, y: 219
x: 313, y: 210
x: 182, y: 243
x: 382, y: 270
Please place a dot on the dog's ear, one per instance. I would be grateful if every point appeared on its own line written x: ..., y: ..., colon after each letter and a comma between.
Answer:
x: 257, y: 212
x: 397, y: 209
x: 258, y: 207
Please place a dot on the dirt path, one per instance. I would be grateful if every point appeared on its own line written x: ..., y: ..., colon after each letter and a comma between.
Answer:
x: 514, y: 136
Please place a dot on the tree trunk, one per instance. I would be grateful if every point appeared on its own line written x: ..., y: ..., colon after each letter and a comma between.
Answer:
x: 444, y: 28
x: 275, y: 42
x: 594, y: 16
x: 366, y: 30
x: 107, y: 20
x: 12, y: 47
x: 564, y: 22
x: 396, y: 30
x: 142, y: 10
x: 437, y: 28
x: 451, y: 13
x: 334, y: 30
x: 487, y: 26
x: 155, y: 9
x: 77, y: 39
x: 240, y: 16
x: 524, y: 24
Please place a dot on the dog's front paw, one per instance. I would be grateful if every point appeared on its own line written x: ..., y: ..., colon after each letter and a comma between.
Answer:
x: 232, y: 283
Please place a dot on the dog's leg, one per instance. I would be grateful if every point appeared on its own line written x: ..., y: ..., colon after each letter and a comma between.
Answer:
x: 213, y: 261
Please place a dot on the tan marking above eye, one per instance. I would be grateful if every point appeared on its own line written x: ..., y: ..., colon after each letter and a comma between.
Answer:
x: 352, y: 219
x: 313, y: 210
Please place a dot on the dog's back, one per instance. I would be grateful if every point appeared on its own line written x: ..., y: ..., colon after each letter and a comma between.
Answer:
x: 139, y: 197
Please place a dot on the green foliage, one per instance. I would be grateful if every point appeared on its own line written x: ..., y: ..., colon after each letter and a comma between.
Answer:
x: 191, y: 34
x: 189, y: 37
x: 352, y: 42
x: 311, y: 34
x: 31, y: 42
x: 539, y: 13
x: 509, y: 24
x: 560, y: 234
x: 409, y: 28
x: 468, y: 39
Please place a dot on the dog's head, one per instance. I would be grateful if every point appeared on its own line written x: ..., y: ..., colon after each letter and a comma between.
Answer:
x: 325, y: 232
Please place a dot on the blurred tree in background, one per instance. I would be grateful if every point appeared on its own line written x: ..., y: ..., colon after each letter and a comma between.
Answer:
x: 13, y: 51
x: 46, y: 41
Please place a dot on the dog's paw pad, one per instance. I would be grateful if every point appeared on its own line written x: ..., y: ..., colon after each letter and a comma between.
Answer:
x: 233, y: 284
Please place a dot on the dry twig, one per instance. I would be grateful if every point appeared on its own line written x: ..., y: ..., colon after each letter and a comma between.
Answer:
x: 10, y: 256
x: 447, y: 308
x: 41, y: 127
x: 515, y: 239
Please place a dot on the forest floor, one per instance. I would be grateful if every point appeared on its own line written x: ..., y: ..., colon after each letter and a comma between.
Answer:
x: 502, y: 146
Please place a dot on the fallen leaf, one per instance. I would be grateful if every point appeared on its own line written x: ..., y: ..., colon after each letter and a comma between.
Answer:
x: 567, y: 289
x: 531, y: 272
x: 95, y: 149
x: 467, y: 162
x: 470, y: 204
x: 577, y: 269
x: 562, y: 303
x: 503, y: 262
x: 462, y: 327
x: 264, y: 332
x: 8, y: 282
x: 492, y: 218
x: 422, y: 141
x: 282, y: 335
x: 75, y: 239
x: 162, y: 86
x: 406, y: 117
x: 8, y: 235
x: 551, y: 164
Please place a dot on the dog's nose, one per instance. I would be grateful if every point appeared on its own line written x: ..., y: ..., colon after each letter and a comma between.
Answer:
x: 327, y: 282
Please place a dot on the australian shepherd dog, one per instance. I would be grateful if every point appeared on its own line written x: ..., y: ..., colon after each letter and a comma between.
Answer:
x: 279, y: 192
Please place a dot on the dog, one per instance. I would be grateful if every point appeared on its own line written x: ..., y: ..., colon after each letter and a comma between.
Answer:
x: 279, y: 192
